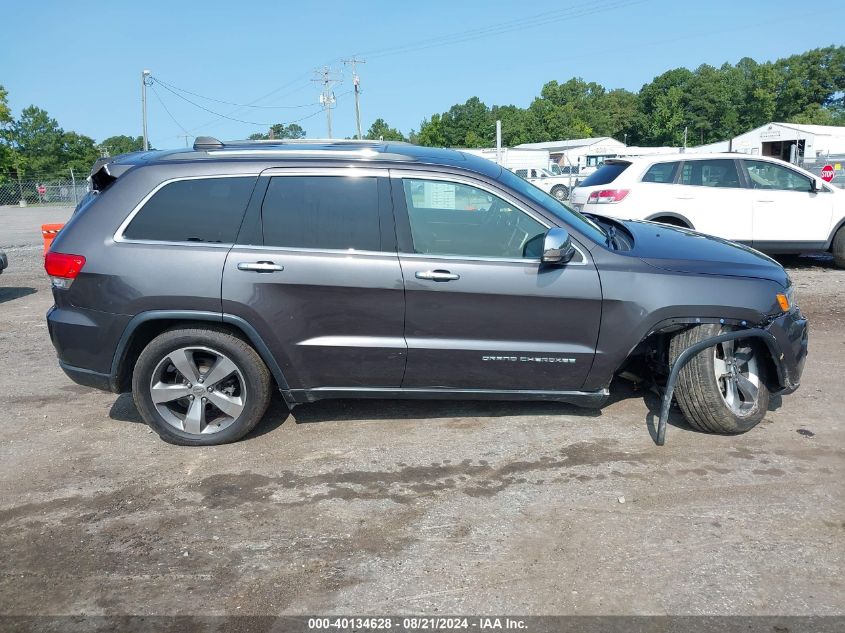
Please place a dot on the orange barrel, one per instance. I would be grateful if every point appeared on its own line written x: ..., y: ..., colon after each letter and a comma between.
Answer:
x: 49, y: 233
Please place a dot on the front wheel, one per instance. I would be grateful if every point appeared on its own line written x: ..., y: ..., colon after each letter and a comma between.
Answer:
x: 722, y: 389
x: 200, y: 386
x: 561, y: 192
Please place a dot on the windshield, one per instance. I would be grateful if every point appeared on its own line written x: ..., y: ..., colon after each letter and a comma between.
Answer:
x: 567, y: 214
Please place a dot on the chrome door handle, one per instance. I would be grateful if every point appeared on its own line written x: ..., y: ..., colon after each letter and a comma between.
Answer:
x: 260, y: 267
x: 437, y: 275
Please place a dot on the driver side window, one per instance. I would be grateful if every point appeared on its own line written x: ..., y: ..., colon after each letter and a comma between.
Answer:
x: 449, y: 218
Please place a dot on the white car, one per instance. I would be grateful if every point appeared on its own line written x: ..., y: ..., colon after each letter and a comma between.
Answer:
x: 763, y: 202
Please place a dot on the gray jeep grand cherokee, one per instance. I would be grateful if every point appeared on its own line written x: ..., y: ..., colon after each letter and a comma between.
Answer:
x: 199, y: 279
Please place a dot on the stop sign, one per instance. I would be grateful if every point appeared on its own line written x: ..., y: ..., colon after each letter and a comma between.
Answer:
x: 828, y: 173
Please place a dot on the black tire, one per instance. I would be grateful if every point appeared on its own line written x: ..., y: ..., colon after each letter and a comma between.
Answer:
x: 838, y: 248
x: 251, y: 371
x: 701, y: 395
x: 560, y: 192
x: 672, y: 222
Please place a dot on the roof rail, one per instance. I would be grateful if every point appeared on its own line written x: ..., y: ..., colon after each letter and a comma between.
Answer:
x: 207, y: 142
x: 304, y: 141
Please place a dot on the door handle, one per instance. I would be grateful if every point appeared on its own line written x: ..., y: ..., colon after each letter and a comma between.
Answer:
x: 437, y: 275
x: 260, y: 267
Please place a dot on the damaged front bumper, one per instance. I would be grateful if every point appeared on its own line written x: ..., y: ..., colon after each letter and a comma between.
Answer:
x: 787, y: 343
x: 786, y: 337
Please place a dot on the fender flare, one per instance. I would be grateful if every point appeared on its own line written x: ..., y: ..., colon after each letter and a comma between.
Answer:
x: 197, y: 315
x: 671, y: 214
x: 775, y: 353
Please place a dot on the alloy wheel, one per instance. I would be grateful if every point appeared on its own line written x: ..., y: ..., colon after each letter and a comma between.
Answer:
x: 737, y: 372
x: 198, y: 390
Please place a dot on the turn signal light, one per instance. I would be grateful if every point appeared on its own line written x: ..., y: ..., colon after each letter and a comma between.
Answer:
x: 783, y: 302
x: 607, y: 196
x: 63, y: 268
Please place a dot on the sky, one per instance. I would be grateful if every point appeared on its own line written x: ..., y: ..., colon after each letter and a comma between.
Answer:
x: 82, y: 61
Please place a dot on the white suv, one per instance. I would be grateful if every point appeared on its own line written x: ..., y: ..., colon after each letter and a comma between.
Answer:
x: 763, y: 202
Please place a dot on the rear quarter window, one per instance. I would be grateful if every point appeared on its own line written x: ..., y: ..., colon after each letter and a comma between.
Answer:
x: 605, y: 174
x: 661, y: 173
x: 205, y: 210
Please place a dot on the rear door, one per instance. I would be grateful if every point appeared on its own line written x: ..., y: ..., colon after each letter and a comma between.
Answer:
x: 317, y: 274
x: 787, y: 214
x: 482, y: 312
x: 710, y: 194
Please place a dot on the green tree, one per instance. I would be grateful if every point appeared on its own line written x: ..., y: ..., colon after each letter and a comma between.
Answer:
x: 280, y: 131
x: 78, y: 153
x: 468, y: 125
x: 381, y: 130
x: 38, y: 142
x: 121, y: 144
x: 7, y: 162
x: 431, y: 132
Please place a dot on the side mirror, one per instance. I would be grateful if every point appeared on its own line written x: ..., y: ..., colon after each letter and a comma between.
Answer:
x: 557, y: 247
x: 814, y: 186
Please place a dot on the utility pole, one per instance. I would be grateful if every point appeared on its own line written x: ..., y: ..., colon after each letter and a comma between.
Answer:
x: 356, y: 82
x: 145, y: 77
x: 327, y: 98
x: 498, y: 142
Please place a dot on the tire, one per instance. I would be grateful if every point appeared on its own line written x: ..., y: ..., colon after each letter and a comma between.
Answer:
x: 188, y: 408
x: 727, y: 405
x: 560, y: 192
x: 838, y: 248
x: 672, y: 222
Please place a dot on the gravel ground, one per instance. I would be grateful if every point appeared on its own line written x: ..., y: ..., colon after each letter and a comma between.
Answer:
x: 414, y: 507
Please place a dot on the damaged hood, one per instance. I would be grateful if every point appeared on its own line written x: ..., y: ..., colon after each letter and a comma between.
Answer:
x: 682, y: 250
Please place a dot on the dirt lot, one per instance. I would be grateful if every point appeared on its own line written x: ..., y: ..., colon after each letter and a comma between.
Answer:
x: 426, y: 507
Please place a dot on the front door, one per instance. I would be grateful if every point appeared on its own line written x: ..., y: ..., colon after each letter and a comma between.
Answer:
x: 787, y: 214
x: 317, y: 274
x: 482, y: 312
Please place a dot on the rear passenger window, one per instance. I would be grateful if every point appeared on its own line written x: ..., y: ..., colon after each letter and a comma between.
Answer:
x: 207, y: 210
x: 661, y: 172
x: 710, y: 173
x: 323, y: 212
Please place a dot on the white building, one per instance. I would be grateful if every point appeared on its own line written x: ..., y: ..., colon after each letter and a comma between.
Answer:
x: 787, y: 141
x: 580, y: 152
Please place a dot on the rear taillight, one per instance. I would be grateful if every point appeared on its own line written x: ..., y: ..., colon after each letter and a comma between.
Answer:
x: 607, y: 196
x: 63, y: 268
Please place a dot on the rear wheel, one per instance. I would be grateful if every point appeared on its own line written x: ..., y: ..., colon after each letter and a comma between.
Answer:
x: 561, y: 192
x: 839, y: 248
x: 722, y: 389
x: 200, y: 386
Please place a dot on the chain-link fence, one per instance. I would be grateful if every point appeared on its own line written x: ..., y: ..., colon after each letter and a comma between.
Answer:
x: 834, y: 160
x: 42, y: 191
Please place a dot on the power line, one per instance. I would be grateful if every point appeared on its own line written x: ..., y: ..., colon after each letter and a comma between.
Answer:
x: 540, y: 19
x: 224, y: 116
x: 239, y: 105
x: 166, y: 109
